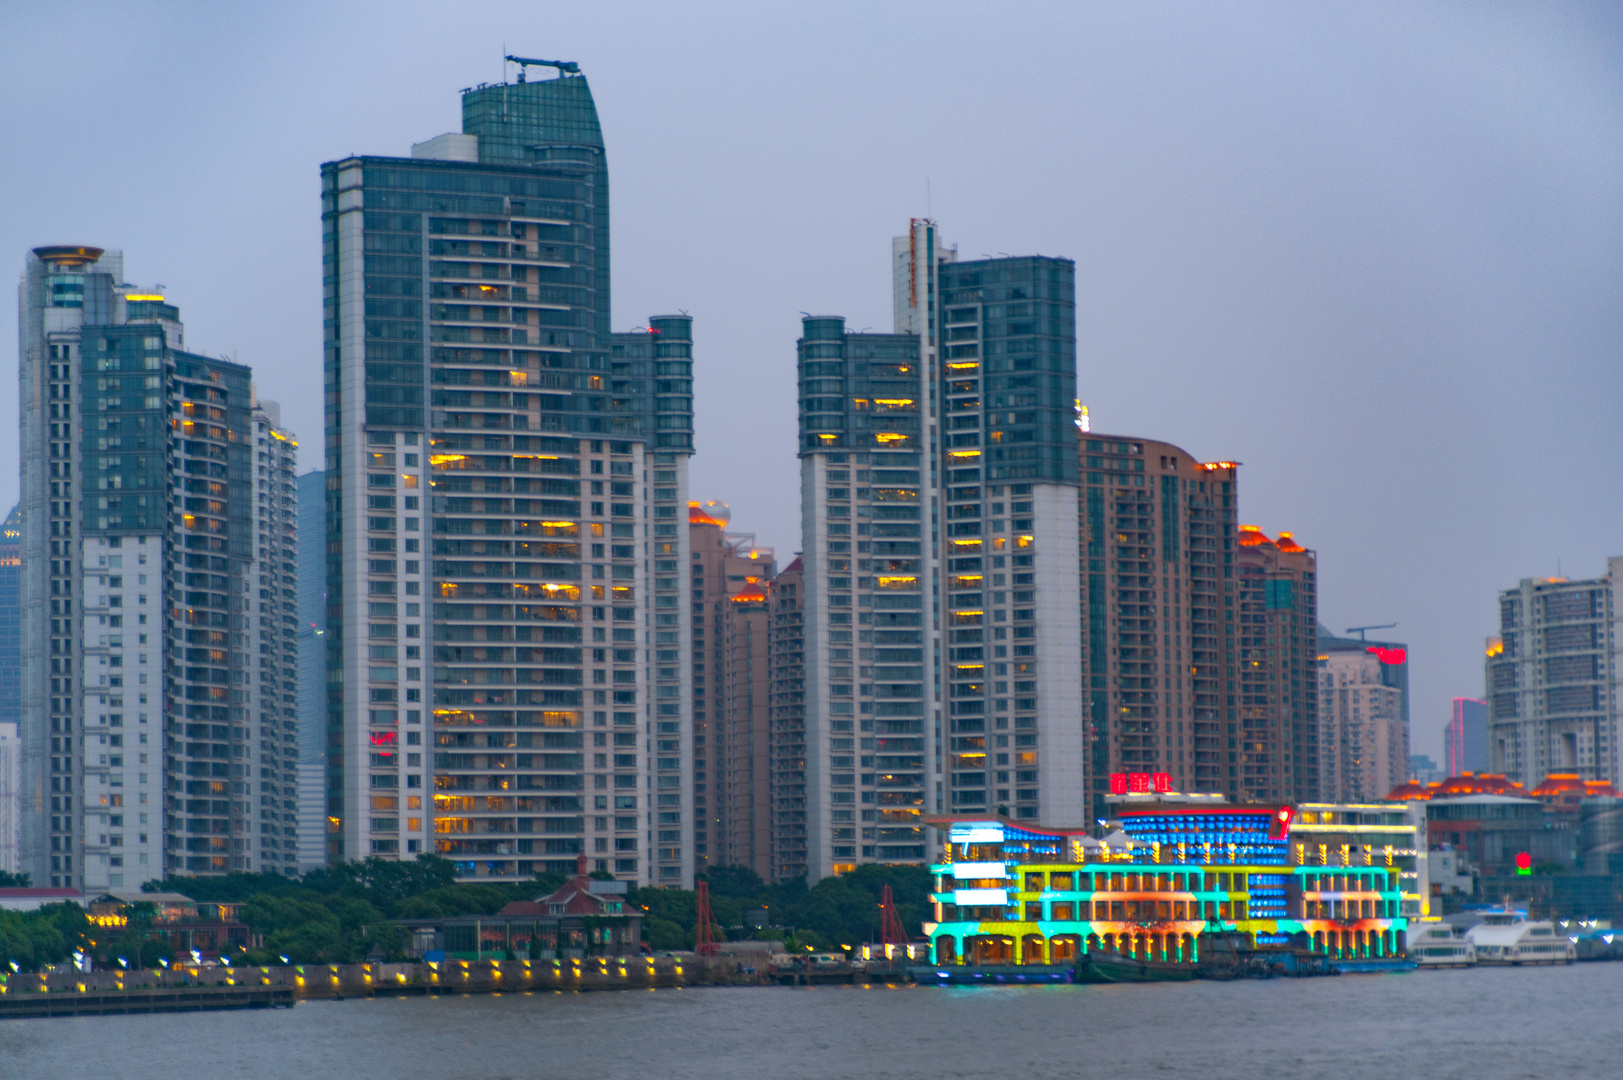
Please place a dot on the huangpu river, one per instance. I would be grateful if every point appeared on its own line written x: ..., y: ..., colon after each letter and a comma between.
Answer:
x: 1482, y: 1024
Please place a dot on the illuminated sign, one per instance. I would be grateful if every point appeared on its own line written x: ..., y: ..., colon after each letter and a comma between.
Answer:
x: 981, y: 897
x: 1139, y: 783
x: 1389, y: 656
x: 977, y: 835
x: 385, y: 738
x: 978, y: 871
x: 1279, y: 825
x: 1524, y: 864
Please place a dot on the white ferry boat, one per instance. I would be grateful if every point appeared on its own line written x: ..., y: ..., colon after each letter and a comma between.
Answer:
x: 1508, y: 937
x: 1441, y: 945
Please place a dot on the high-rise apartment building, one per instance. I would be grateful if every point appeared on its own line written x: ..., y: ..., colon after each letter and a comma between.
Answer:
x: 938, y: 488
x: 506, y: 480
x: 11, y: 618
x: 731, y: 763
x: 786, y: 705
x: 153, y: 583
x: 312, y: 812
x: 1466, y: 737
x: 1159, y: 603
x: 272, y: 622
x: 1277, y: 583
x: 1363, y: 737
x: 1552, y: 678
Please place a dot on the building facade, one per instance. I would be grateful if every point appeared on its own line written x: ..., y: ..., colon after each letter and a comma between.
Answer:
x: 11, y: 618
x: 1552, y: 679
x: 731, y: 576
x: 1160, y: 636
x: 939, y: 485
x: 146, y: 749
x: 1465, y: 739
x: 272, y: 620
x: 1363, y: 740
x: 506, y: 479
x: 312, y: 810
x: 786, y: 705
x: 1277, y: 584
x: 11, y: 801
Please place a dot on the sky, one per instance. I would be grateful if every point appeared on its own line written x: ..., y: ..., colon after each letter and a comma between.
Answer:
x: 1374, y: 252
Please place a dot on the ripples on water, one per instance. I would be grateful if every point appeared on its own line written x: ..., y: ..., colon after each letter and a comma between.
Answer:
x: 1483, y: 1024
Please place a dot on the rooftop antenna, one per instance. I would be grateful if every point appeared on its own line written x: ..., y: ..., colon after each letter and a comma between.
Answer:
x: 1359, y: 630
x: 927, y: 207
x: 565, y: 67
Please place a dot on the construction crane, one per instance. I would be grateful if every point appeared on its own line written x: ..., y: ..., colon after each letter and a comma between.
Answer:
x: 1360, y: 630
x: 565, y: 67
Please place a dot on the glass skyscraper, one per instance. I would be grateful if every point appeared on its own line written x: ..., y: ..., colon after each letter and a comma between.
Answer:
x: 939, y: 488
x: 506, y: 486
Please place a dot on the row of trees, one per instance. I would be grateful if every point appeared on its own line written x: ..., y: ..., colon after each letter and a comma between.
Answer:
x: 341, y: 914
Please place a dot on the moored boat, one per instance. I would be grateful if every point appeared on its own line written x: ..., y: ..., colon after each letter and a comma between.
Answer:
x: 1436, y: 945
x: 1508, y: 937
x: 1109, y: 967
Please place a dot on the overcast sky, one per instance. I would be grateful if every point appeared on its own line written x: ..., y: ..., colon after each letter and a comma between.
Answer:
x: 1374, y: 252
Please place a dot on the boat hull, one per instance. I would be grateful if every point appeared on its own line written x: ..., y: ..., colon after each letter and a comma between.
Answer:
x: 1114, y: 968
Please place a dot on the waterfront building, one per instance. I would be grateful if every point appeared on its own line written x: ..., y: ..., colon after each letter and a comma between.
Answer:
x: 1465, y: 739
x: 731, y: 575
x: 1179, y: 869
x: 154, y: 576
x: 11, y: 618
x: 1392, y: 833
x: 939, y: 487
x: 1160, y: 640
x: 786, y: 704
x: 312, y: 615
x: 506, y: 558
x: 1279, y: 725
x: 1364, y: 741
x: 585, y: 916
x: 1551, y: 678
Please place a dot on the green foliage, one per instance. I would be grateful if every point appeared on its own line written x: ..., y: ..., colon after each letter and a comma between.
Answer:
x: 38, y: 939
x: 8, y: 880
x: 837, y: 910
x: 340, y: 914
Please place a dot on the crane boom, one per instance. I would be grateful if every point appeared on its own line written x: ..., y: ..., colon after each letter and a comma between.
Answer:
x: 565, y: 67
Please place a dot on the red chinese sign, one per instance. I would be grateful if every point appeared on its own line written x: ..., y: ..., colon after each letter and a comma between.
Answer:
x: 1139, y: 783
x: 1389, y: 656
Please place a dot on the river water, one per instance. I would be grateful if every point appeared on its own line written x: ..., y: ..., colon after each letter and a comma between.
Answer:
x: 1482, y: 1024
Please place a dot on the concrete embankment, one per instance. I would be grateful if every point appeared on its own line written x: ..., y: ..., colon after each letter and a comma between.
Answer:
x: 192, y: 988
